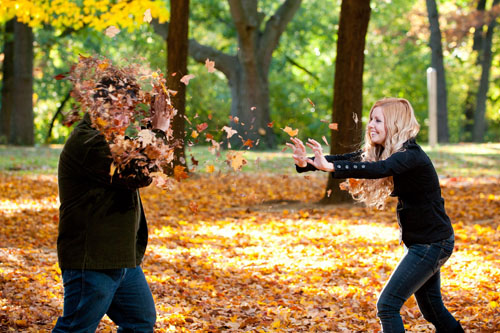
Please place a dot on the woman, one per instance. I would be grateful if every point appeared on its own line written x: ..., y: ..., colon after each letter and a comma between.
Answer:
x: 392, y: 163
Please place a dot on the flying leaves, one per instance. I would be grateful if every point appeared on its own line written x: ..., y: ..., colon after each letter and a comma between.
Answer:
x: 186, y: 78
x: 112, y: 31
x: 147, y: 16
x: 210, y: 65
x: 292, y: 132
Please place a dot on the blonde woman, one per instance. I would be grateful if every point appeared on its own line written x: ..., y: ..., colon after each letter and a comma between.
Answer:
x: 392, y: 163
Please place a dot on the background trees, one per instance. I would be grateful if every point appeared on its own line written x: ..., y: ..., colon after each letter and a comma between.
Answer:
x: 302, y: 66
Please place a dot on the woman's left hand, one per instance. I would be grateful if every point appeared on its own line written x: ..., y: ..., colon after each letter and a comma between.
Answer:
x: 319, y: 161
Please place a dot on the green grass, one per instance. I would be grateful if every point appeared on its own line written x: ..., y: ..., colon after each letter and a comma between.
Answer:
x: 451, y: 160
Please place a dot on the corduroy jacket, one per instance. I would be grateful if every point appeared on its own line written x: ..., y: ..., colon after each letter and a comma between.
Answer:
x: 101, y: 221
x: 420, y: 211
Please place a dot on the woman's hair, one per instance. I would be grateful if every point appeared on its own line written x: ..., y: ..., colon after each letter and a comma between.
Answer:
x: 400, y: 125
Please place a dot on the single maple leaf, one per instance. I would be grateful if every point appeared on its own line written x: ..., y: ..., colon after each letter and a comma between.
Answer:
x: 230, y: 132
x: 147, y: 16
x: 248, y: 143
x: 236, y: 159
x: 186, y: 78
x: 236, y: 119
x: 292, y: 132
x: 333, y: 126
x: 194, y: 161
x: 194, y: 134
x: 112, y: 31
x: 210, y: 65
x: 179, y: 172
x: 271, y: 124
x: 201, y: 127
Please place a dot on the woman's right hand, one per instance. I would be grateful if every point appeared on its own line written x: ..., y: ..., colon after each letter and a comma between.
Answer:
x: 298, y: 152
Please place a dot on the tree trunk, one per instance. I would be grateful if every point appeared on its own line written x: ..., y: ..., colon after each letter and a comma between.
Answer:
x: 437, y: 63
x: 247, y: 71
x: 470, y: 100
x: 177, y: 53
x: 17, y: 105
x: 348, y: 88
x: 8, y: 82
x: 484, y: 83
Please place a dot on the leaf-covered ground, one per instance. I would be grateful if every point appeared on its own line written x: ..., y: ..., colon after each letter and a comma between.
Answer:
x: 253, y: 253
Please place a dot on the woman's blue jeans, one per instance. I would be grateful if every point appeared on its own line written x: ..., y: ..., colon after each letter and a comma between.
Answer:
x: 418, y: 273
x: 122, y: 294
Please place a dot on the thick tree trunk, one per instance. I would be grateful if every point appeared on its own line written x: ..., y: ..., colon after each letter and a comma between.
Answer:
x: 348, y: 88
x: 8, y: 82
x: 484, y: 83
x: 437, y: 63
x: 18, y: 98
x: 177, y: 53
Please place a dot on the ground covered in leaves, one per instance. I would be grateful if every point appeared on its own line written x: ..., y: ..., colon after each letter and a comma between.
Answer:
x: 253, y: 253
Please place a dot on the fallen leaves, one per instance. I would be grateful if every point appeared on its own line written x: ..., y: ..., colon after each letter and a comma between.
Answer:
x: 242, y: 252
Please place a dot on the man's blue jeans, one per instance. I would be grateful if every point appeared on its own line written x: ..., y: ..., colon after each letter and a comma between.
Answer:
x: 418, y: 273
x: 122, y: 294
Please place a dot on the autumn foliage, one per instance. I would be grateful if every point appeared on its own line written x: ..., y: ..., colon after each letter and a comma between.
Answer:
x: 239, y: 252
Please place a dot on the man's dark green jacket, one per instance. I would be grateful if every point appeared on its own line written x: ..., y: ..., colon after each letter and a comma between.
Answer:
x: 101, y: 221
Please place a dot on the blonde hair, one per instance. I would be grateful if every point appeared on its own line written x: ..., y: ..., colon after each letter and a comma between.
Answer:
x: 400, y: 125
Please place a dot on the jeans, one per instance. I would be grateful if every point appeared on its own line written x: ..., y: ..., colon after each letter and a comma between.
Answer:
x: 418, y: 273
x: 122, y: 294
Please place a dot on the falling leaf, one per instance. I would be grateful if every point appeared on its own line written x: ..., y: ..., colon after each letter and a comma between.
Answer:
x: 179, y: 172
x: 355, y: 118
x: 186, y: 78
x: 310, y: 102
x: 194, y: 134
x: 112, y: 31
x: 290, y: 131
x: 201, y: 127
x: 333, y: 126
x: 210, y: 65
x: 146, y: 136
x: 248, y: 143
x: 271, y: 124
x: 262, y: 131
x: 236, y: 159
x: 253, y: 108
x: 324, y: 140
x: 60, y: 76
x: 230, y: 132
x: 210, y: 168
x: 236, y: 119
x: 329, y: 192
x: 112, y: 169
x: 147, y: 16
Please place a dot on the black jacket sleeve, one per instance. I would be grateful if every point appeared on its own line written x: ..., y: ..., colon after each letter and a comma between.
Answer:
x: 396, y: 164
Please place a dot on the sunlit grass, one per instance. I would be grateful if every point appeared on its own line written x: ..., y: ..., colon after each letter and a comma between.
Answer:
x: 452, y: 160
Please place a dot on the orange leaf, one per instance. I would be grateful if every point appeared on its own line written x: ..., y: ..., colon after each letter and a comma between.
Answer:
x: 333, y: 126
x: 179, y: 172
x: 290, y: 131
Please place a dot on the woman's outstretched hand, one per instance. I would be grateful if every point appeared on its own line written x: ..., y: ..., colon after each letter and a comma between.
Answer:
x: 319, y: 161
x: 298, y: 152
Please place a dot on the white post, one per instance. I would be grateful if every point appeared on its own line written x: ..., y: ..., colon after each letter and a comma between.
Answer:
x: 432, y: 93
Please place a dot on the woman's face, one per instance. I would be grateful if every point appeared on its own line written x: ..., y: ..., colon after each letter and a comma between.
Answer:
x: 376, y: 126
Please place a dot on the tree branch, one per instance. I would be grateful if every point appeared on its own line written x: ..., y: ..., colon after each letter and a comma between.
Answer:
x: 224, y: 62
x: 275, y: 27
x: 160, y: 28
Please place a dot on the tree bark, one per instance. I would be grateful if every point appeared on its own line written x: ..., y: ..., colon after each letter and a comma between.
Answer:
x: 17, y: 96
x: 247, y: 72
x: 348, y: 88
x: 486, y: 57
x: 8, y: 82
x: 177, y: 53
x: 437, y: 63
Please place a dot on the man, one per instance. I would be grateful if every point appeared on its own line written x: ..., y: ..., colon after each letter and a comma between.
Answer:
x: 102, y: 231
